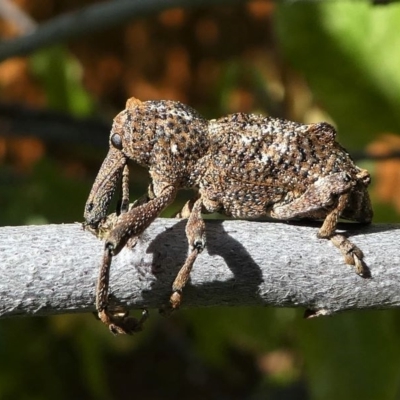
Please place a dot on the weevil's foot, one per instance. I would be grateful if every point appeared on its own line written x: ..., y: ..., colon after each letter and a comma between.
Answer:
x: 175, y: 300
x: 352, y: 254
x: 121, y: 323
x: 310, y: 313
x: 174, y: 303
x: 166, y: 310
x: 132, y: 242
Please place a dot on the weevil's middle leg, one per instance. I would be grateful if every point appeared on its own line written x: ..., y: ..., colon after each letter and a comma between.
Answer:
x: 195, y: 233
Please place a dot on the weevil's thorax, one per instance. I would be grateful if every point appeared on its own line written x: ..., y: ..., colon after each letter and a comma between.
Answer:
x: 167, y: 137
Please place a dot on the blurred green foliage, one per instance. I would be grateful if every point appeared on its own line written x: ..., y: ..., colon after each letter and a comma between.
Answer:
x: 349, y: 53
x: 60, y: 75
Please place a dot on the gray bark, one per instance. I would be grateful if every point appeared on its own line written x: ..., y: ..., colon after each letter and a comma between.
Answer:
x: 53, y: 269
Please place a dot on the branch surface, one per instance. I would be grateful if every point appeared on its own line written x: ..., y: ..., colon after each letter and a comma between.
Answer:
x: 52, y: 269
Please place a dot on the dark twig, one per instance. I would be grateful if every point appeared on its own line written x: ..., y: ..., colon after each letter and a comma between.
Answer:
x: 95, y: 18
x: 53, y: 126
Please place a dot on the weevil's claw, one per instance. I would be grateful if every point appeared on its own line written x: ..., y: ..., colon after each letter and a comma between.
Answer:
x: 361, y: 268
x: 173, y: 305
x: 310, y: 313
x: 175, y: 299
x: 166, y: 310
x: 121, y: 323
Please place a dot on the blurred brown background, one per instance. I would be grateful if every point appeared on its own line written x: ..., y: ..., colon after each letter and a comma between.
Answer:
x: 307, y: 61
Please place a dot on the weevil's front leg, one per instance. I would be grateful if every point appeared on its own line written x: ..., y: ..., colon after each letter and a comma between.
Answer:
x: 118, y: 323
x: 149, y: 195
x: 131, y: 223
x: 195, y: 232
x: 104, y: 228
x: 123, y: 207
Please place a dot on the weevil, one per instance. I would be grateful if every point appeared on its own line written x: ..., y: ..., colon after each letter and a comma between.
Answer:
x: 242, y: 165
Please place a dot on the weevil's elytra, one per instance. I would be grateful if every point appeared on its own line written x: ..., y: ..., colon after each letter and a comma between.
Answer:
x: 242, y: 165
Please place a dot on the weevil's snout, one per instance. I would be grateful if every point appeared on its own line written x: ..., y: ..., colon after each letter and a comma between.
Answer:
x: 103, y: 188
x: 94, y: 216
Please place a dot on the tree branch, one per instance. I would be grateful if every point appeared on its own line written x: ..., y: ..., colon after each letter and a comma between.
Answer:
x: 11, y: 12
x: 95, y: 18
x: 53, y: 126
x: 53, y: 269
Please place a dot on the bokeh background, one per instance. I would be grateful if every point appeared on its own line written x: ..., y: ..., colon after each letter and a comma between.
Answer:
x: 308, y: 61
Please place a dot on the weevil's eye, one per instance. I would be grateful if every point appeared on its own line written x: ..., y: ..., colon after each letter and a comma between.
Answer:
x: 89, y: 207
x: 116, y: 141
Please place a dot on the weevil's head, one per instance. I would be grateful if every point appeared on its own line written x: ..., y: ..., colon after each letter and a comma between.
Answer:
x: 160, y: 130
x: 134, y: 131
x: 110, y: 171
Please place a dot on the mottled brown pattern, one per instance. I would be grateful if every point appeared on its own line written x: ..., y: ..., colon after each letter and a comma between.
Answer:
x: 244, y: 166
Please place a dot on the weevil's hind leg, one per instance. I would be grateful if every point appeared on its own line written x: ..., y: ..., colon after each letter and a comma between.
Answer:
x: 130, y: 224
x: 314, y: 202
x: 328, y: 227
x: 351, y: 253
x: 195, y: 233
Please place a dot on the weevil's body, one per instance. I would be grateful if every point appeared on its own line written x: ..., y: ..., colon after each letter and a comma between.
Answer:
x: 245, y: 166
